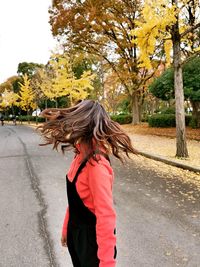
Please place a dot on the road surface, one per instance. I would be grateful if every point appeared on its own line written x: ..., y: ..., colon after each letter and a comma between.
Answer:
x: 158, y: 208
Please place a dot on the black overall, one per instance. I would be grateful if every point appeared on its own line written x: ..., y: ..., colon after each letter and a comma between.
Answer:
x: 81, y: 233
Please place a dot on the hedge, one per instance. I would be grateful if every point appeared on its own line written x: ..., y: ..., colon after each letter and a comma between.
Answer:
x: 169, y: 110
x: 166, y: 120
x: 122, y: 118
x: 193, y: 123
x: 28, y: 118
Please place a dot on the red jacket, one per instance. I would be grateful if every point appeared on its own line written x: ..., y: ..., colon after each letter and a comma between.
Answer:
x: 94, y: 186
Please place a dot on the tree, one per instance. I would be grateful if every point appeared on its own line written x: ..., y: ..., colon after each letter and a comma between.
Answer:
x: 163, y: 27
x: 102, y: 28
x: 9, y: 90
x: 81, y: 62
x: 26, y: 95
x: 58, y: 80
x: 191, y: 83
x: 163, y: 86
x: 28, y: 68
x: 9, y: 99
x: 114, y: 92
x: 11, y: 84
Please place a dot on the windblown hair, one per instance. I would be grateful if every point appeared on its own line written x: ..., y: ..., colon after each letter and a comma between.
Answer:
x: 86, y: 123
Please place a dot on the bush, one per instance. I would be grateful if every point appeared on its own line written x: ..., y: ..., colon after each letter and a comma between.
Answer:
x: 162, y: 120
x: 193, y: 123
x: 188, y: 119
x: 30, y: 118
x: 170, y: 110
x: 39, y: 119
x: 122, y: 118
x: 25, y: 118
x: 166, y: 120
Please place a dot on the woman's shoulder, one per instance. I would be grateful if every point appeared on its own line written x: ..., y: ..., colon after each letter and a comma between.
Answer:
x: 99, y: 164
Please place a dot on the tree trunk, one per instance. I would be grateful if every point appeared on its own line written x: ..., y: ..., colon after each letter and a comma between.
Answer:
x: 102, y: 80
x: 56, y: 103
x: 13, y: 112
x: 196, y: 112
x: 135, y: 109
x: 36, y: 116
x: 46, y: 106
x: 28, y: 114
x: 181, y: 146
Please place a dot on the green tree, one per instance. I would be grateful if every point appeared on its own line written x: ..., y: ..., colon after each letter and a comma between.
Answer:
x: 28, y: 68
x: 191, y: 82
x: 11, y: 84
x: 163, y: 86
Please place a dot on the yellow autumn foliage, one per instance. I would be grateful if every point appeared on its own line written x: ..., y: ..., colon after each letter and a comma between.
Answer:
x: 168, y: 48
x: 150, y: 32
x: 26, y: 94
x: 8, y: 99
x: 61, y: 81
x: 153, y: 29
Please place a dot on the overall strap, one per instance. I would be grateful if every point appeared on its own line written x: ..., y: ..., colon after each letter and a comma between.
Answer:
x: 82, y: 165
x: 79, y: 170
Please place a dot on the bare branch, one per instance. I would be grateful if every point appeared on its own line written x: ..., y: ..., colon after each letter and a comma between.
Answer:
x: 190, y: 29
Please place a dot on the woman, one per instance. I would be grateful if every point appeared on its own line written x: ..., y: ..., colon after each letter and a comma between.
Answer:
x: 90, y: 220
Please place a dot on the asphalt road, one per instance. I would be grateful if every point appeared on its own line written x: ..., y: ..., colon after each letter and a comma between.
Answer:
x: 158, y: 214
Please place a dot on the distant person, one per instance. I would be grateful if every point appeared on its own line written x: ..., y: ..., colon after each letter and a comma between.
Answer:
x: 89, y: 228
x: 14, y: 120
x: 2, y: 119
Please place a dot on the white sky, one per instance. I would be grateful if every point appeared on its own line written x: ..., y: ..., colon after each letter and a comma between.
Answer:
x: 25, y: 34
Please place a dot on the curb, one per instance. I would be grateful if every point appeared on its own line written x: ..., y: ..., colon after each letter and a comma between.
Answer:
x: 161, y: 159
x: 170, y: 162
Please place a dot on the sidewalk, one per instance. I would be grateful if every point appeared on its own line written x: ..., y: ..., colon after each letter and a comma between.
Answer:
x: 164, y: 149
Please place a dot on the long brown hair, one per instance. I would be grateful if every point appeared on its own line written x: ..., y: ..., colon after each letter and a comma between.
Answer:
x: 87, y: 123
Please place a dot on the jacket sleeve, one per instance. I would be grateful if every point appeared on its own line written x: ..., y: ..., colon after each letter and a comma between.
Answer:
x: 65, y: 223
x: 100, y: 177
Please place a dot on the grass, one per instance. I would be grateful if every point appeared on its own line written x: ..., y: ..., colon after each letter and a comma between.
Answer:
x: 144, y: 129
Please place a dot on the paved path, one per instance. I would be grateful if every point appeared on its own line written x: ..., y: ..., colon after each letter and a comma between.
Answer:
x: 158, y: 210
x: 165, y: 147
